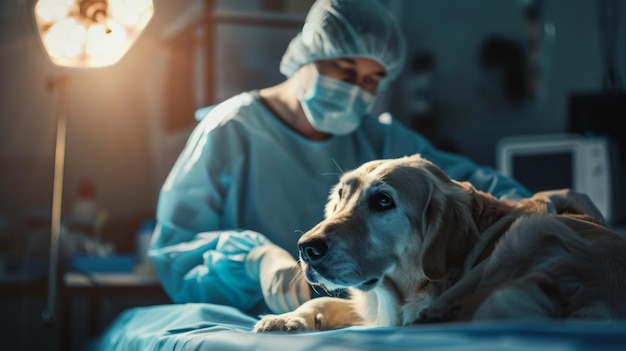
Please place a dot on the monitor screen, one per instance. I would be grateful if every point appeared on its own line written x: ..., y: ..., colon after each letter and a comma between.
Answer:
x: 543, y: 171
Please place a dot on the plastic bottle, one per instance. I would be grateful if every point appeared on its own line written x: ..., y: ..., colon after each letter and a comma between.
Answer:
x: 144, y: 235
x: 85, y: 208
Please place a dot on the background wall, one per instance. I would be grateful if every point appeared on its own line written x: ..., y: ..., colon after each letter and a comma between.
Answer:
x: 454, y: 30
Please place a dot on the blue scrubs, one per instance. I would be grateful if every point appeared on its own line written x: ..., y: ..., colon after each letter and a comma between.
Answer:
x: 245, y: 179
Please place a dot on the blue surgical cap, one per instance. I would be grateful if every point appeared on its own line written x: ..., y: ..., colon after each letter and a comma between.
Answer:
x: 347, y: 28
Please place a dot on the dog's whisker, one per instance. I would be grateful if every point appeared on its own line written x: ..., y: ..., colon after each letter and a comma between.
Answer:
x: 337, y: 293
x: 314, y: 287
x: 299, y: 276
x: 295, y: 278
x: 338, y: 167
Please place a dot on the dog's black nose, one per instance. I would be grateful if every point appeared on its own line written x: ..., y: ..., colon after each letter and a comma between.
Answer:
x: 313, y: 250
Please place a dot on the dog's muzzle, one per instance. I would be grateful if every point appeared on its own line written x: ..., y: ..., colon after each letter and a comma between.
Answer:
x: 312, y: 251
x: 314, y: 257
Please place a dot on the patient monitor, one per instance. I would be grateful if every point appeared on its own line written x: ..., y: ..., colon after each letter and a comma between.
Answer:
x: 556, y: 161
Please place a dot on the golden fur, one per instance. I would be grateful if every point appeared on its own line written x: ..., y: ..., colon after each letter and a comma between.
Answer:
x: 411, y: 245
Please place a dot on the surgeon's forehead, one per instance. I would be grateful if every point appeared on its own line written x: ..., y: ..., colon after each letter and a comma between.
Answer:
x: 363, y: 63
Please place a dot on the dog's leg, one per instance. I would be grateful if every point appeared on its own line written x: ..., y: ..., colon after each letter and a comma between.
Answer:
x: 596, y: 310
x: 323, y: 313
x: 446, y: 307
x: 532, y: 296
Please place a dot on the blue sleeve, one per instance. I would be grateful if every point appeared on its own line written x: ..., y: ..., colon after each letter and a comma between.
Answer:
x: 197, y: 258
x: 457, y: 167
x: 482, y: 178
x: 208, y: 268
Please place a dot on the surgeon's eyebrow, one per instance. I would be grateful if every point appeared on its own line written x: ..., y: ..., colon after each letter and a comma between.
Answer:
x: 380, y: 73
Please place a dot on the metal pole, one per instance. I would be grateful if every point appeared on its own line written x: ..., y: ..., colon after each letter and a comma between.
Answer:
x: 60, y: 82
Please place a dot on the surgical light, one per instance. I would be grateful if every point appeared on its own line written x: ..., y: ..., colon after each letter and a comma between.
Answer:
x: 90, y: 33
x: 81, y: 34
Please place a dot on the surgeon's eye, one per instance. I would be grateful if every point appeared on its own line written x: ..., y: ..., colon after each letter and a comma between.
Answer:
x: 381, y: 201
x: 370, y: 84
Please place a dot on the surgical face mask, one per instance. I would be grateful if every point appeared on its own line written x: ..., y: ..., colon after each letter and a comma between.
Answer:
x: 333, y: 106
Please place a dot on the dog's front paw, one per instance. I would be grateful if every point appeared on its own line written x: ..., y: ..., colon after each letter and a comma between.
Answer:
x: 287, y: 322
x: 435, y: 315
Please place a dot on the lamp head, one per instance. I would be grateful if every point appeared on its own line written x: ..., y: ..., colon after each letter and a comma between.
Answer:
x: 90, y: 33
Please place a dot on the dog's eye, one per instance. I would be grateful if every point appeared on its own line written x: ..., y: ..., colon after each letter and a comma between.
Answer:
x: 381, y: 202
x: 340, y: 192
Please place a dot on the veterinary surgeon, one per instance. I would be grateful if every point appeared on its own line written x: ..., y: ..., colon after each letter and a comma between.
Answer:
x: 257, y: 170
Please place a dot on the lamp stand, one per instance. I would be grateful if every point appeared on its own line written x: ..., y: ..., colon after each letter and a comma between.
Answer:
x: 61, y: 83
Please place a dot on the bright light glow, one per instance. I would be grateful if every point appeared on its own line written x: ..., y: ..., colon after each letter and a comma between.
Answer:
x: 65, y: 38
x: 105, y: 41
x: 53, y: 10
x: 74, y: 41
x: 129, y: 12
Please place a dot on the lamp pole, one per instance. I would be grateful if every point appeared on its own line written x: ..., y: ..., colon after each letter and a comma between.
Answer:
x: 80, y: 34
x: 61, y: 83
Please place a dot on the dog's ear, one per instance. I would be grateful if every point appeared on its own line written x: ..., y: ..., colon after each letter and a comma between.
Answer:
x: 449, y: 231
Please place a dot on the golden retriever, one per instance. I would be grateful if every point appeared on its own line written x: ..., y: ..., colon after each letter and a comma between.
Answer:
x: 411, y: 245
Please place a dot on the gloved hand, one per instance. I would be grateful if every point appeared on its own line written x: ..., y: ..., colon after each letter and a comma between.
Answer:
x: 282, y: 281
x: 570, y: 201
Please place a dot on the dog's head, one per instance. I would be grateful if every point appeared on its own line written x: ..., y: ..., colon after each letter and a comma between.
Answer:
x: 396, y: 218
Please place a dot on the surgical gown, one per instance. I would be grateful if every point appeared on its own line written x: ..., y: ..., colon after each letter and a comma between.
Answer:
x: 246, y: 179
